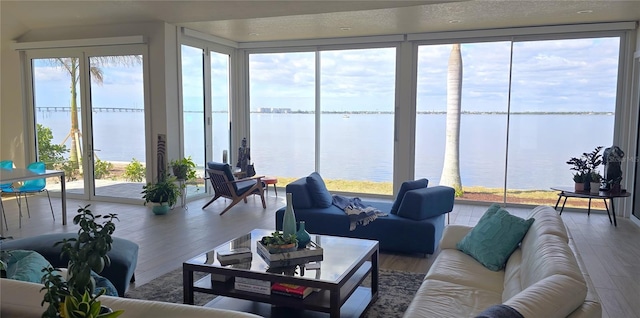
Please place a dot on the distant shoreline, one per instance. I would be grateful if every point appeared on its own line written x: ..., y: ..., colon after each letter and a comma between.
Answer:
x: 363, y: 112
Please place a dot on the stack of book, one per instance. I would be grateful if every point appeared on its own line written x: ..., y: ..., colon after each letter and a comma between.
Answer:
x: 253, y: 285
x: 234, y: 256
x: 291, y: 290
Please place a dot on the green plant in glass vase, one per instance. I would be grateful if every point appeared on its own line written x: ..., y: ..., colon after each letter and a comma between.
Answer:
x: 74, y: 297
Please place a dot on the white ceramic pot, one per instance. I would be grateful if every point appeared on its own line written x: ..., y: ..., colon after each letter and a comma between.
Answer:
x: 595, y: 187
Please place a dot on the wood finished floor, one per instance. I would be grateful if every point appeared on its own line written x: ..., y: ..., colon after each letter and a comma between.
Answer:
x: 611, y: 255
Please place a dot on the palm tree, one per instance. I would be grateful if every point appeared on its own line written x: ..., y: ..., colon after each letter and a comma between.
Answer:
x: 71, y: 65
x: 451, y: 168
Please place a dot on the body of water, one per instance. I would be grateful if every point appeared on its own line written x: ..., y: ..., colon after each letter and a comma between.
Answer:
x: 360, y: 146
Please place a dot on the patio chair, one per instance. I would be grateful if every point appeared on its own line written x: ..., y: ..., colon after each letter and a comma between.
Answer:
x: 5, y: 164
x: 226, y: 186
x: 31, y: 187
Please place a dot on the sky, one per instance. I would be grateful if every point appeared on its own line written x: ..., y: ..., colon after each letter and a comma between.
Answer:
x: 557, y: 75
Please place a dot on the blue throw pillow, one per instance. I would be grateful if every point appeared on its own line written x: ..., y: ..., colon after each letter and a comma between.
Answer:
x: 26, y: 266
x: 318, y: 190
x: 494, y: 238
x: 407, y: 186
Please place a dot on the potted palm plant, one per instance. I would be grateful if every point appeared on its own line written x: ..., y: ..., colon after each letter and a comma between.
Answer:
x: 88, y: 252
x: 165, y: 193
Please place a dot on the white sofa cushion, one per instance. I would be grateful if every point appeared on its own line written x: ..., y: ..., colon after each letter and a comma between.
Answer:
x: 446, y: 299
x: 459, y: 268
x: 547, y: 222
x: 553, y: 296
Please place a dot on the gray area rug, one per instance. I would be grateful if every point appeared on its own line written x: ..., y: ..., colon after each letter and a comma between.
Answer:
x: 396, y: 290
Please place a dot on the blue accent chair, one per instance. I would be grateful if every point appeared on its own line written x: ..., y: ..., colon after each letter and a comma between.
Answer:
x: 5, y: 187
x: 416, y: 228
x: 32, y: 187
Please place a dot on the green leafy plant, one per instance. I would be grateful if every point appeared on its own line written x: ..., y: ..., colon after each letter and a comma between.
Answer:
x: 134, y: 171
x: 278, y: 238
x: 596, y: 176
x: 102, y: 169
x: 585, y: 165
x: 184, y: 169
x: 71, y: 172
x: 87, y: 252
x: 49, y: 153
x: 85, y: 306
x: 581, y: 167
x: 593, y: 159
x: 165, y: 190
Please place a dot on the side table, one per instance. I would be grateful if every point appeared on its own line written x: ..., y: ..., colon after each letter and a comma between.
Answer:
x: 604, y: 195
x: 270, y: 180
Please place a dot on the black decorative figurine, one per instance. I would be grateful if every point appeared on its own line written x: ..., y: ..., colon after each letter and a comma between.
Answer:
x: 612, y: 159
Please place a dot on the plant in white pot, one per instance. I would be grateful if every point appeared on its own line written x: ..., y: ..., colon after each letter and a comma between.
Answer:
x: 596, y: 180
x: 164, y: 193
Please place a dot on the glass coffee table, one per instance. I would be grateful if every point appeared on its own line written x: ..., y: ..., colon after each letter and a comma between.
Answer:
x: 336, y: 279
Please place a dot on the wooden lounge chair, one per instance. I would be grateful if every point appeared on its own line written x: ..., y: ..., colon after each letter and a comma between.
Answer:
x: 226, y: 186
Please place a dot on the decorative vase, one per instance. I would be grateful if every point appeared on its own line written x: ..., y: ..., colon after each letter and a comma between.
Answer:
x: 303, y: 236
x: 161, y: 208
x: 595, y: 187
x: 289, y: 219
x: 579, y: 186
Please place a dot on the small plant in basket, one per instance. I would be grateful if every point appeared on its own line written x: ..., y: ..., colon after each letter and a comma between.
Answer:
x: 278, y: 243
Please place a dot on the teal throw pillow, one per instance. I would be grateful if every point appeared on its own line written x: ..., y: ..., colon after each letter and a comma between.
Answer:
x: 407, y: 186
x: 494, y: 238
x: 318, y: 191
x: 26, y: 266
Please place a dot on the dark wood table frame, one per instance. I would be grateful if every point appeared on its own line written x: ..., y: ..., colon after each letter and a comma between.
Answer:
x: 604, y: 195
x: 344, y: 297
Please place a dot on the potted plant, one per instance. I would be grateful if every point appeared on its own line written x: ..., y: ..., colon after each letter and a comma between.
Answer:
x: 278, y: 243
x: 596, y: 179
x: 165, y: 193
x: 582, y: 170
x: 88, y: 252
x: 183, y: 169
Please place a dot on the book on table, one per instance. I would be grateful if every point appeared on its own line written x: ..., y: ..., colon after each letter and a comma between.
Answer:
x: 291, y: 290
x: 253, y: 285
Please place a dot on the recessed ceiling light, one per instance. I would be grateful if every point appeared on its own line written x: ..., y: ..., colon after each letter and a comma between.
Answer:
x: 585, y: 11
x: 254, y: 34
x: 345, y: 29
x: 454, y: 21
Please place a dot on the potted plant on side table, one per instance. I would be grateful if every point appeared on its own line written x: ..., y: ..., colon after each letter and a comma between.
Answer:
x: 580, y: 166
x: 88, y: 252
x: 165, y: 193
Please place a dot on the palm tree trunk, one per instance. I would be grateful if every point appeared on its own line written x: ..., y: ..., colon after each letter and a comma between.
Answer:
x: 451, y: 168
x: 75, y: 155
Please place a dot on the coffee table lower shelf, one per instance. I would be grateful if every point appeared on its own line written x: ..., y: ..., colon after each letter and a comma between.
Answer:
x: 355, y: 306
x: 355, y: 299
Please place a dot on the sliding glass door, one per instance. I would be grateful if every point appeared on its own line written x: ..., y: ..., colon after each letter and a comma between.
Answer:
x: 88, y: 108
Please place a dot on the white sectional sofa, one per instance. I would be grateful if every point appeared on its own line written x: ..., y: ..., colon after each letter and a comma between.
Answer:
x: 22, y: 299
x: 542, y: 278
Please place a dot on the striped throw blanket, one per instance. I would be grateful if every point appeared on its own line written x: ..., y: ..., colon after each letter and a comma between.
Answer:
x: 359, y: 214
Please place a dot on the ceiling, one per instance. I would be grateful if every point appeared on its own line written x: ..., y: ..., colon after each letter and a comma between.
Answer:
x: 251, y: 21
